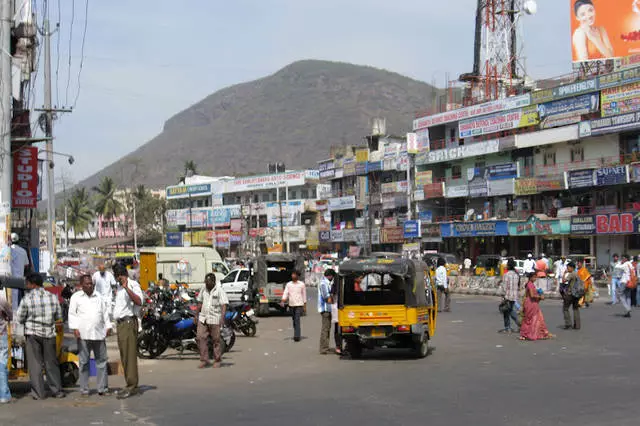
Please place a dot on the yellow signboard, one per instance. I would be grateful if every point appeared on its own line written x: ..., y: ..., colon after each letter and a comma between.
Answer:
x: 362, y: 155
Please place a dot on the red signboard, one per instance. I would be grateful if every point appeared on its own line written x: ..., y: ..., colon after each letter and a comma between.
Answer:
x: 25, y: 178
x: 392, y: 235
x: 614, y: 223
x: 434, y: 190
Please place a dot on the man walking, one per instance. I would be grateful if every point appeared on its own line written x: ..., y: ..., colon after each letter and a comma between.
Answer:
x: 89, y: 320
x: 295, y: 293
x: 212, y: 304
x: 626, y: 284
x: 5, y: 318
x: 324, y: 307
x: 104, y: 282
x: 442, y: 285
x: 511, y: 282
x: 128, y: 300
x: 616, y: 274
x: 572, y: 289
x: 41, y: 315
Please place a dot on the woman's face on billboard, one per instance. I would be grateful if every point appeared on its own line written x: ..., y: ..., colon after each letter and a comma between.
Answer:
x: 586, y: 15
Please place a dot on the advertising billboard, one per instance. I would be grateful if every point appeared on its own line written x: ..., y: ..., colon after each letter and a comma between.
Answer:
x: 514, y: 119
x: 604, y: 29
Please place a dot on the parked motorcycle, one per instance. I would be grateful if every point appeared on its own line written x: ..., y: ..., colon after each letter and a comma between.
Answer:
x: 242, y: 318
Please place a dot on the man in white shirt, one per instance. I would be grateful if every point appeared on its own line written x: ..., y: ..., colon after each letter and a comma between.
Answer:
x: 129, y: 298
x: 89, y: 320
x: 212, y: 305
x: 295, y: 294
x: 624, y: 293
x: 104, y: 282
x: 19, y: 264
x: 529, y: 264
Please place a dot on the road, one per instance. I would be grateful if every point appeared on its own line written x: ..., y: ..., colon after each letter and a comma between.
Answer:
x: 473, y: 377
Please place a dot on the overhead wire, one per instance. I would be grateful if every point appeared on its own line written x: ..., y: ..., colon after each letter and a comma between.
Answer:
x: 58, y: 38
x: 84, y: 39
x: 73, y: 16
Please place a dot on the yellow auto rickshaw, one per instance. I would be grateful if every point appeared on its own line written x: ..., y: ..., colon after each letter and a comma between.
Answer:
x: 386, y: 301
x: 490, y: 265
x: 17, y: 362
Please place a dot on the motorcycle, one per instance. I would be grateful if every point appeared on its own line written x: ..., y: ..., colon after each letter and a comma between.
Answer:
x: 242, y: 318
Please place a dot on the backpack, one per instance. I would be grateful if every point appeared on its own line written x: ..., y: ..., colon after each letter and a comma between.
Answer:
x: 577, y: 288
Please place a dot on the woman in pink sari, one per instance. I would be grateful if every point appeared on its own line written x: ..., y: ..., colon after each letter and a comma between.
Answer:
x: 533, y: 326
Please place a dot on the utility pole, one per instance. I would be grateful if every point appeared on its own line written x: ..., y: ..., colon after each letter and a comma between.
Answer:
x: 6, y: 170
x: 51, y: 192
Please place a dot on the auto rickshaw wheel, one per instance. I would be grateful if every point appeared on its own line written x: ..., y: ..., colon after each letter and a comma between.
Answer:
x: 354, y: 349
x: 69, y: 373
x: 422, y: 347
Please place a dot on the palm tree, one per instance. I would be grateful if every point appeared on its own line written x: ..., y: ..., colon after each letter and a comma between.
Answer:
x: 106, y: 203
x: 79, y: 213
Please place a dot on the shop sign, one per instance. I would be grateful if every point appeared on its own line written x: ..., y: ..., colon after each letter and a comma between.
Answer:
x: 174, y: 239
x: 435, y: 190
x: 276, y: 180
x: 478, y: 187
x: 223, y: 239
x: 488, y: 124
x: 478, y: 229
x: 342, y: 203
x: 457, y: 191
x: 459, y: 152
x: 580, y: 178
x: 634, y: 171
x: 620, y: 99
x: 425, y: 216
x: 337, y: 236
x: 617, y: 223
x: 550, y: 183
x: 568, y: 90
x: 390, y: 164
x: 361, y: 169
x: 184, y: 191
x: 424, y: 178
x: 611, y: 175
x: 323, y: 166
x: 418, y: 194
x: 24, y: 193
x: 235, y: 237
x: 374, y: 166
x: 500, y: 187
x: 582, y: 225
x: 324, y: 236
x: 403, y: 162
x: 583, y: 104
x: 535, y: 226
x: 388, y: 188
x: 601, y: 126
x: 402, y: 186
x: 412, y: 229
x: 392, y: 235
x: 502, y: 171
x: 327, y: 174
x: 349, y: 167
x: 339, y: 173
x: 526, y: 186
x: 560, y: 120
x: 236, y: 225
x: 390, y: 222
x: 430, y: 230
x: 423, y: 140
x: 623, y: 77
x: 362, y: 155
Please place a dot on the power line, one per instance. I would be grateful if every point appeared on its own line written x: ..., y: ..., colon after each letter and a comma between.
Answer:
x: 84, y: 38
x: 73, y: 16
x: 58, y: 55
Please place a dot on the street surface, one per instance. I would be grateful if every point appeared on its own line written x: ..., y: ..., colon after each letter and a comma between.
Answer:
x: 473, y: 377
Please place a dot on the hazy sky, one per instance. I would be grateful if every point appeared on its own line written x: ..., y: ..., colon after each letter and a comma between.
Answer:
x: 145, y: 60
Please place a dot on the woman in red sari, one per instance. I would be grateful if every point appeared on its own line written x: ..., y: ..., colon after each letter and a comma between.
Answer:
x: 533, y: 326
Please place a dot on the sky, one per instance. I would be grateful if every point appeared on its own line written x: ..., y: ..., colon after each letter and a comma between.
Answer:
x: 145, y: 60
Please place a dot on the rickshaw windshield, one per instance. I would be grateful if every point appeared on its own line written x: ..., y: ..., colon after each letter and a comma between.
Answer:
x: 374, y: 289
x: 488, y: 262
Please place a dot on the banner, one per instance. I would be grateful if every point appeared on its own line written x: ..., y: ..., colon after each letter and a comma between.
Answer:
x: 502, y: 171
x: 613, y: 25
x: 601, y: 126
x: 457, y: 191
x: 478, y: 187
x: 435, y: 190
x: 620, y: 99
x: 634, y: 171
x: 550, y: 183
x: 174, y: 239
x: 535, y: 226
x: 475, y: 229
x: 342, y: 203
x: 185, y: 191
x: 526, y: 186
x: 459, y: 152
x: 424, y: 178
x: 514, y: 119
x: 622, y: 77
x: 566, y: 91
x: 25, y: 178
x: 611, y: 175
x: 362, y: 155
x: 277, y: 180
x: 580, y: 178
x: 500, y: 187
x: 567, y: 111
x: 391, y: 235
x: 411, y: 229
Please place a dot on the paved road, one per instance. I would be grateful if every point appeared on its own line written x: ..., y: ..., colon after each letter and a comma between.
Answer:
x: 473, y: 377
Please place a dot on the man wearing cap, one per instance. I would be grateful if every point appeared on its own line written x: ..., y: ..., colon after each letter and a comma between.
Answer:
x: 104, y: 283
x: 529, y: 265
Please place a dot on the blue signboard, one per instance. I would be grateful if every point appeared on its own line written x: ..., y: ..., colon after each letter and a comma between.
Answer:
x: 616, y: 123
x: 188, y: 190
x: 412, y: 229
x: 502, y: 171
x: 580, y: 104
x: 611, y: 175
x: 374, y: 166
x: 475, y: 229
x: 426, y: 216
x: 361, y: 169
x: 174, y: 239
x: 580, y: 178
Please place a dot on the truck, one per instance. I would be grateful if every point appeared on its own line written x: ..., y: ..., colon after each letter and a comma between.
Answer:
x: 187, y: 265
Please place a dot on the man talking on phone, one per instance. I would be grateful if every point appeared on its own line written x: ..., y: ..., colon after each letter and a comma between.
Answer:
x: 128, y: 301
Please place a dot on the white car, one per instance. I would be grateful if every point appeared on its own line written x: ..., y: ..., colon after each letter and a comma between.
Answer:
x: 235, y: 283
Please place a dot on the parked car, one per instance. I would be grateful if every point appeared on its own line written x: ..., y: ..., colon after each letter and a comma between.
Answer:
x: 235, y: 283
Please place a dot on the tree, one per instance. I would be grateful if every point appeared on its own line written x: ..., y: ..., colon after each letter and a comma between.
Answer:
x: 149, y: 212
x: 190, y: 168
x: 106, y: 203
x: 79, y: 212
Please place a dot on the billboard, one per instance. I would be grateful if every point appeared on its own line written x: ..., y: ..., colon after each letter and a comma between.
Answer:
x: 485, y: 125
x: 604, y: 29
x: 621, y: 99
x: 25, y: 178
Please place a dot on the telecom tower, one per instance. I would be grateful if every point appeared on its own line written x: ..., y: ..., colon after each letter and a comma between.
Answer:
x: 498, y: 61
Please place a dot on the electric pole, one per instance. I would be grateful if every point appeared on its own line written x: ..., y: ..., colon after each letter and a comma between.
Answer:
x: 48, y: 113
x: 6, y: 170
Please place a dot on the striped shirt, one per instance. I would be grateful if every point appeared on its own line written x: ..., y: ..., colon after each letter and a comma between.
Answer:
x: 39, y: 311
x: 212, y: 303
x: 511, y: 281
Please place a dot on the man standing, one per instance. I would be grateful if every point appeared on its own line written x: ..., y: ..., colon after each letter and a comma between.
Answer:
x: 324, y: 307
x: 19, y: 266
x: 626, y: 284
x: 616, y: 274
x: 89, y: 320
x: 571, y: 290
x: 5, y: 318
x: 41, y: 315
x: 442, y: 285
x: 541, y: 267
x: 529, y: 265
x: 511, y: 282
x: 560, y: 266
x: 295, y: 293
x: 212, y: 304
x: 104, y: 283
x: 128, y: 300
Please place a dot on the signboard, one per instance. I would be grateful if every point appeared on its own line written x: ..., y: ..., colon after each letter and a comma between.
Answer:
x: 223, y: 239
x: 374, y: 166
x: 277, y: 180
x: 500, y: 187
x: 583, y: 225
x: 535, y: 226
x: 478, y: 187
x: 392, y: 235
x: 362, y: 155
x: 601, y: 126
x: 327, y: 174
x: 550, y: 183
x: 472, y: 111
x: 526, y: 186
x: 425, y: 216
x: 567, y: 111
x: 435, y: 190
x: 502, y: 171
x: 611, y: 176
x: 475, y: 229
x: 423, y: 139
x: 412, y: 229
x: 201, y: 217
x: 324, y: 236
x: 361, y: 169
x: 337, y: 236
x: 290, y: 212
x: 620, y: 99
x: 456, y: 153
x: 342, y: 203
x: 457, y: 191
x: 617, y: 223
x: 174, y: 239
x: 24, y: 191
x: 430, y: 230
x: 622, y: 77
x: 485, y: 125
x: 184, y: 191
x: 568, y: 90
x: 412, y: 143
x: 424, y: 178
x: 614, y: 23
x: 580, y: 178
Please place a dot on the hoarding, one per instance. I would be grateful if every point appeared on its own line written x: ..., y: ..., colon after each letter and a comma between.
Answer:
x: 266, y: 181
x: 342, y: 203
x: 603, y: 29
x: 606, y: 224
x: 580, y: 178
x: 184, y: 191
x: 25, y: 178
x: 502, y: 171
x: 611, y: 176
x: 476, y: 229
x: 412, y: 229
x: 567, y: 111
x: 616, y: 123
x: 485, y: 125
x: 459, y: 152
x: 566, y: 91
x: 620, y: 99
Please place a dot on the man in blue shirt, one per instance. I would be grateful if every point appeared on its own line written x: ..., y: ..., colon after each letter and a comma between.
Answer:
x: 324, y: 307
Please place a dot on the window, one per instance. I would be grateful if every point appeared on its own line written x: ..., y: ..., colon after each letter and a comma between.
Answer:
x: 456, y: 172
x: 244, y: 275
x: 230, y: 278
x: 304, y: 194
x: 528, y: 166
x: 577, y: 154
x: 549, y: 158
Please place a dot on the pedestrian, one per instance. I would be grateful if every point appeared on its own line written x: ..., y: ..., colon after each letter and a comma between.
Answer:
x: 89, y: 320
x: 571, y: 290
x: 634, y: 291
x: 5, y: 318
x: 20, y: 267
x: 616, y: 274
x: 212, y: 305
x: 66, y: 294
x: 628, y: 283
x: 541, y: 267
x: 529, y: 265
x: 533, y: 325
x: 511, y: 283
x: 128, y: 300
x: 295, y: 293
x: 585, y: 276
x: 325, y: 299
x: 337, y: 333
x: 560, y: 267
x: 41, y: 315
x: 104, y: 282
x: 442, y: 285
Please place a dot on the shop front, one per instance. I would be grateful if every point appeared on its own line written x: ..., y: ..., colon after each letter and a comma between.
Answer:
x: 536, y: 235
x: 471, y: 239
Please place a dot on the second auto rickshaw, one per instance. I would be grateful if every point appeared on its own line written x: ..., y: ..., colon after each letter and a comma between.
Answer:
x: 386, y: 301
x: 489, y: 265
x: 269, y: 275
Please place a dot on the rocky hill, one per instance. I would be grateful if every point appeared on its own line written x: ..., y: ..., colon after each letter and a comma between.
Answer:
x: 294, y: 115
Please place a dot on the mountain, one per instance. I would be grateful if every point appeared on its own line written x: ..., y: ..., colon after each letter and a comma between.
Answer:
x: 294, y: 116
